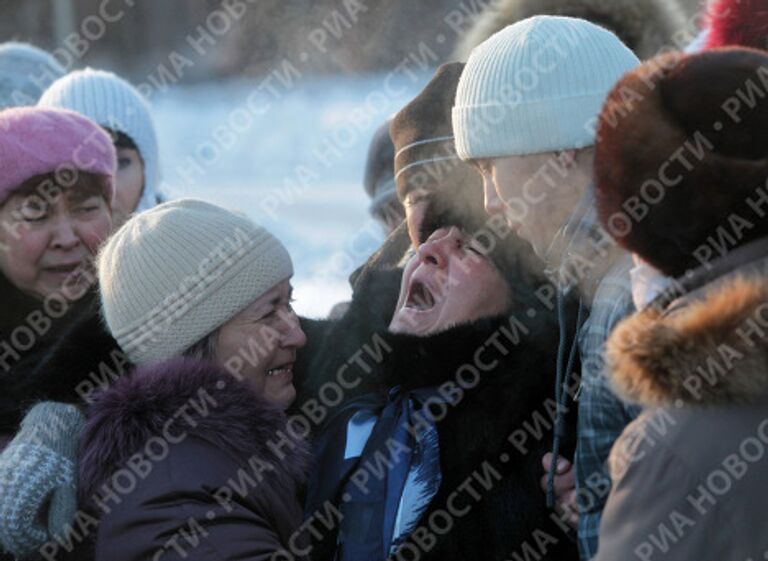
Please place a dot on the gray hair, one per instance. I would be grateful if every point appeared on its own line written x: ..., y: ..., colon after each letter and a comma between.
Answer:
x: 205, y: 348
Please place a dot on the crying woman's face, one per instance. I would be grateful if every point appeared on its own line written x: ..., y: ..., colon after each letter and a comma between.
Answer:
x: 448, y: 282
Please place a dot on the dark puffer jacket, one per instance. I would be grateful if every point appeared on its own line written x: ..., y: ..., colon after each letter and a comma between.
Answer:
x: 180, y: 461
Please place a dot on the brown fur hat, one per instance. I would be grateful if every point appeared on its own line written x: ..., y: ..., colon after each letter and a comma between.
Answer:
x: 427, y: 168
x: 687, y: 137
x: 645, y: 26
x: 379, y: 179
x: 426, y: 164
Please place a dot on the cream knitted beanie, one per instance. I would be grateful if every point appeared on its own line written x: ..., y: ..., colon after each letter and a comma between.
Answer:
x: 537, y: 86
x: 112, y: 102
x: 173, y: 274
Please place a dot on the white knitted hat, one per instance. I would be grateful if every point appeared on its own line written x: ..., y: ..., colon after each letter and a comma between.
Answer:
x: 25, y: 72
x: 173, y: 274
x: 113, y: 103
x: 537, y: 86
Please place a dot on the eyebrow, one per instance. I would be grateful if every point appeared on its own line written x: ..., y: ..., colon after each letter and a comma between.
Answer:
x: 78, y: 196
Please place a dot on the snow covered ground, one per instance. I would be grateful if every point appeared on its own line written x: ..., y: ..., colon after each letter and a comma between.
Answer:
x: 293, y: 160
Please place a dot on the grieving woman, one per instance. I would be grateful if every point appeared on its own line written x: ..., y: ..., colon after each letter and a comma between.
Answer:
x: 442, y: 434
x: 438, y: 415
x: 199, y: 298
x: 56, y: 192
x: 125, y: 115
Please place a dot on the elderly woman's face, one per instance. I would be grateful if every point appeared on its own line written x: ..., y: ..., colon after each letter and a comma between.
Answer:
x: 47, y: 243
x: 262, y: 341
x: 448, y: 282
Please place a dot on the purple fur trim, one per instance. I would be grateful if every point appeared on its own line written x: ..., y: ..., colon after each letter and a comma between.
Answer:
x: 224, y: 411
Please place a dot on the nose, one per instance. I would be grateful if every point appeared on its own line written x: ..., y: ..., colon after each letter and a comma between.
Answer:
x: 437, y: 250
x: 492, y: 201
x: 293, y: 335
x: 64, y: 235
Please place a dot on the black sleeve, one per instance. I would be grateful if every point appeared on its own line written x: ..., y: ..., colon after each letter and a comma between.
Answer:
x: 84, y: 360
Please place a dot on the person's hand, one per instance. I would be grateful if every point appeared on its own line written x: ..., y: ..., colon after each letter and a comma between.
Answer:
x: 37, y: 478
x: 565, y: 488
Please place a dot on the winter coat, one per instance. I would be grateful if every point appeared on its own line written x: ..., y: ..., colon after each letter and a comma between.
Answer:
x: 513, y: 396
x: 690, y: 473
x: 645, y: 26
x: 80, y: 361
x: 178, y: 460
x: 22, y: 382
x: 86, y: 357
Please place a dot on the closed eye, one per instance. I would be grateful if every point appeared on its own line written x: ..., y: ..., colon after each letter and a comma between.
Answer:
x: 475, y: 250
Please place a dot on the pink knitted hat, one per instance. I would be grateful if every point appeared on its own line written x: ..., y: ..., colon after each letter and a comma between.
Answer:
x: 35, y: 141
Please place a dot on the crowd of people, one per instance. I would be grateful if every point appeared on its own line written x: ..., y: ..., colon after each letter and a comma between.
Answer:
x: 559, y: 352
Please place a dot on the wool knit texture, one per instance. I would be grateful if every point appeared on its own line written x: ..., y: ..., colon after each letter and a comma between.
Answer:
x: 25, y: 73
x: 35, y: 140
x: 37, y: 478
x: 537, y: 86
x: 175, y: 273
x: 113, y: 103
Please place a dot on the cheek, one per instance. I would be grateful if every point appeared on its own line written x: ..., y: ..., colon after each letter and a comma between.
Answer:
x: 499, y: 181
x: 94, y: 232
x: 28, y: 246
x: 232, y: 344
x: 129, y: 184
x: 19, y: 256
x: 495, y: 292
x: 463, y: 291
x: 483, y: 289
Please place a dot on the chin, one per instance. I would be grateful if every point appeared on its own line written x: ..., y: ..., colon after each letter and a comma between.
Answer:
x: 410, y: 325
x: 285, y: 397
x: 420, y: 323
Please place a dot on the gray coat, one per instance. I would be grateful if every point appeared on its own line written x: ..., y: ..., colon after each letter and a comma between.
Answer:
x: 690, y: 474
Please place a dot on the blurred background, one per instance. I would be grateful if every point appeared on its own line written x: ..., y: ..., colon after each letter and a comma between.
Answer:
x: 269, y: 106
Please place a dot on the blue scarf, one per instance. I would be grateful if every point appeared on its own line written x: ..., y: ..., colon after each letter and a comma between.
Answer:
x: 386, y: 468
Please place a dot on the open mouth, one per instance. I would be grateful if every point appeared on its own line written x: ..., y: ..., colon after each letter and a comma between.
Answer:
x: 420, y: 297
x: 284, y: 369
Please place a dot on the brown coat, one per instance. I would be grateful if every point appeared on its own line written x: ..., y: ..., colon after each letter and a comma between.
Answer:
x: 691, y: 473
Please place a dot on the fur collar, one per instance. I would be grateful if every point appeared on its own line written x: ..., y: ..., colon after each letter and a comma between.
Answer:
x: 423, y: 361
x: 138, y: 405
x: 696, y: 352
